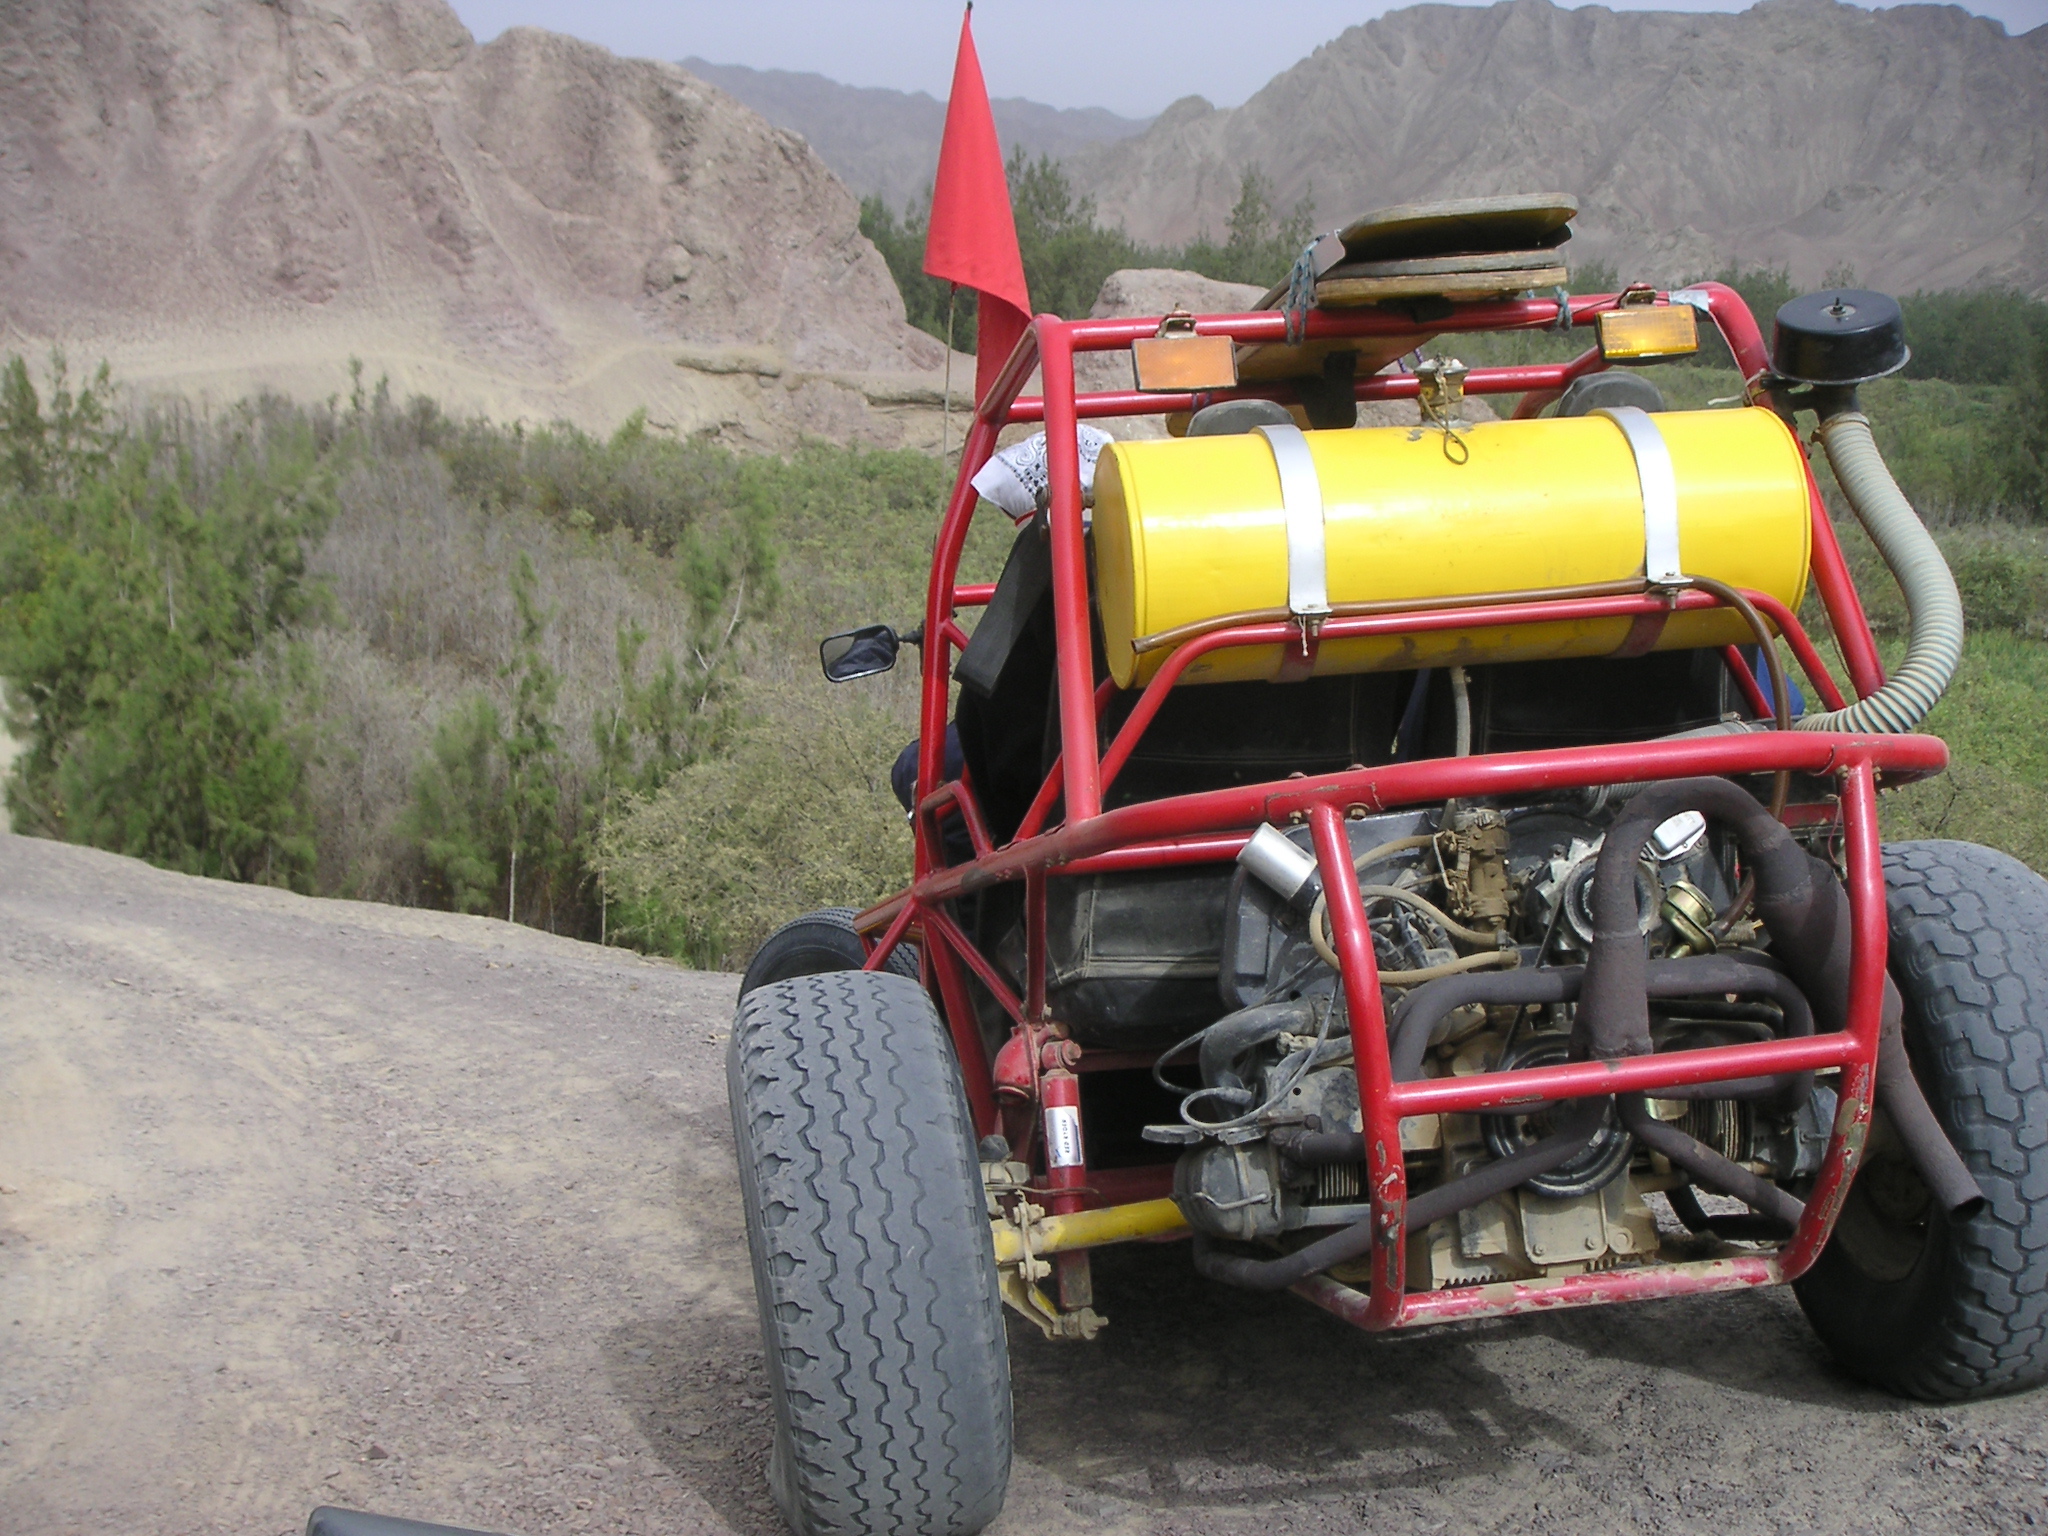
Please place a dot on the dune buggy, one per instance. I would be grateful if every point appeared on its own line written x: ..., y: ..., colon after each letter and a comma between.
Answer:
x: 1431, y: 868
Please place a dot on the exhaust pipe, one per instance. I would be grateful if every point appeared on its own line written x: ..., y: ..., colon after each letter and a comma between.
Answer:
x: 1806, y: 911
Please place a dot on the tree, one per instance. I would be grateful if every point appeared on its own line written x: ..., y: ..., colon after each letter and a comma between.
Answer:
x: 925, y: 299
x: 532, y: 755
x: 1261, y: 245
x: 457, y: 816
x: 137, y: 583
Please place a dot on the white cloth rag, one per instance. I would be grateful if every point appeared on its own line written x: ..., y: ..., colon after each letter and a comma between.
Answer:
x: 1014, y: 477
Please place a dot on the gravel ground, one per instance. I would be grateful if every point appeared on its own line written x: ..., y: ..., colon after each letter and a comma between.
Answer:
x: 318, y: 1202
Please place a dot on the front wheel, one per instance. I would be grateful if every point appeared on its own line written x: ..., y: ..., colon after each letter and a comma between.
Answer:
x: 1905, y: 1297
x: 815, y: 943
x: 881, y: 1324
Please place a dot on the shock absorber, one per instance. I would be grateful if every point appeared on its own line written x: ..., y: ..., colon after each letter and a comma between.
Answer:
x: 1066, y: 1165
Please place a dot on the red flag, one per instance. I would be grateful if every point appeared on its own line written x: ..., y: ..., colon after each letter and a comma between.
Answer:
x: 972, y: 237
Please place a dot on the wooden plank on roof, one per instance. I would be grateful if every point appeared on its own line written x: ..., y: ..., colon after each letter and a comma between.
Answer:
x: 1344, y: 292
x: 1410, y: 231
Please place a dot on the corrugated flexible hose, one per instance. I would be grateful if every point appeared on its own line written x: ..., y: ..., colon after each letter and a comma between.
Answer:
x: 1934, y: 608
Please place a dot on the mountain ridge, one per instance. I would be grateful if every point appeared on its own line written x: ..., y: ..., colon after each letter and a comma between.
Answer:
x: 885, y: 142
x: 1910, y: 143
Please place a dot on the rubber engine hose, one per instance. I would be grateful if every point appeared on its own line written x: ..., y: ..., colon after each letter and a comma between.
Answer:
x: 1693, y: 976
x: 1806, y: 912
x: 1236, y: 1035
x: 1934, y: 609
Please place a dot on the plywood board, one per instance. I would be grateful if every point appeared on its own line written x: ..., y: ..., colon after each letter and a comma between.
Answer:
x: 1410, y: 231
x: 1463, y: 261
x: 1343, y: 292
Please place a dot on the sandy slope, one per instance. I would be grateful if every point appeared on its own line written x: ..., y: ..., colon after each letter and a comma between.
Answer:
x: 313, y: 1201
x: 222, y: 197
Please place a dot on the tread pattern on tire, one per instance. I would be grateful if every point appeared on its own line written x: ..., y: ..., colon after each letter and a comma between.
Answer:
x: 902, y: 960
x: 881, y: 1323
x: 1968, y: 926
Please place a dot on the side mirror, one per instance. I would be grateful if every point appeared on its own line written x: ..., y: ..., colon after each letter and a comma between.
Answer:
x: 858, y: 652
x: 329, y: 1521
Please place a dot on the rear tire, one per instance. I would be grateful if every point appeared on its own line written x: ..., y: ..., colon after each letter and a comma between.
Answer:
x: 1905, y: 1298
x: 816, y: 943
x: 881, y: 1325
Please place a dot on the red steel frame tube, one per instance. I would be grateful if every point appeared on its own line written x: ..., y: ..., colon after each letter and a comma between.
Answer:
x: 1738, y: 328
x: 1385, y: 1171
x: 1745, y: 679
x: 1795, y: 635
x: 1839, y: 597
x: 941, y: 967
x: 892, y: 936
x: 1869, y: 934
x: 1211, y: 827
x: 1075, y: 657
x: 1238, y: 809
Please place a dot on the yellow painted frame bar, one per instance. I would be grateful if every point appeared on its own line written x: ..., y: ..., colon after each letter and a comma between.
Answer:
x: 1090, y: 1229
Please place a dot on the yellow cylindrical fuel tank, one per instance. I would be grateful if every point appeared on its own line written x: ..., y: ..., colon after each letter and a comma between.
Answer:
x: 1188, y: 530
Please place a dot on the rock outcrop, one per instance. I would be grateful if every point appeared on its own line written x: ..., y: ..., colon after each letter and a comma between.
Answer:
x: 251, y: 192
x: 1910, y: 144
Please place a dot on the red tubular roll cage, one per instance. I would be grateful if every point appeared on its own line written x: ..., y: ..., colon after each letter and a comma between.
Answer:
x: 1213, y: 826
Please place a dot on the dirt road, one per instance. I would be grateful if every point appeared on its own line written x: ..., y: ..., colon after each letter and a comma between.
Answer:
x: 308, y: 1202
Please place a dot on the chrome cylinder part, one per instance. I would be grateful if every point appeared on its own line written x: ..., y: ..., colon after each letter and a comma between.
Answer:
x: 1279, y: 862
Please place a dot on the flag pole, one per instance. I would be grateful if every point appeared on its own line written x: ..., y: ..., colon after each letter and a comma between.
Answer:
x: 946, y: 404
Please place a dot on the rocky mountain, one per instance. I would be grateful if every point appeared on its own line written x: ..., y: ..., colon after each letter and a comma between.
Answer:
x: 251, y: 192
x: 887, y: 142
x: 1909, y: 143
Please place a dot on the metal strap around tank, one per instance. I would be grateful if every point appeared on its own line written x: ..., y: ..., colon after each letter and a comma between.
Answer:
x: 1301, y: 499
x: 1659, y: 484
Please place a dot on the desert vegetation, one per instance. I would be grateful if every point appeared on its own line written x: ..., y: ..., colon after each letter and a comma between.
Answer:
x: 361, y: 649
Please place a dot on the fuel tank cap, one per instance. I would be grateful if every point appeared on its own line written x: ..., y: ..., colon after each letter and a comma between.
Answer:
x: 1839, y: 336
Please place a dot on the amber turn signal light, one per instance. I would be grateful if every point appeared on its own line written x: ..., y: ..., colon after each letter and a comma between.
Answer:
x: 1177, y: 360
x: 1639, y: 333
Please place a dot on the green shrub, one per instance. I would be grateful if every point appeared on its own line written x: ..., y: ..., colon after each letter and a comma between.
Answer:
x: 671, y: 494
x: 798, y: 815
x: 2000, y: 567
x: 458, y: 813
x: 348, y: 648
x: 1261, y: 244
x: 1974, y: 336
x: 926, y: 300
x: 141, y: 572
x: 1999, y: 590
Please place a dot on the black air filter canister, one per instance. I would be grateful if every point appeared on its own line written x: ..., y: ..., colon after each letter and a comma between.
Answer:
x: 1839, y: 336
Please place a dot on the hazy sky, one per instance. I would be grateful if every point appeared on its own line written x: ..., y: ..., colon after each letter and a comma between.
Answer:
x: 1132, y: 56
